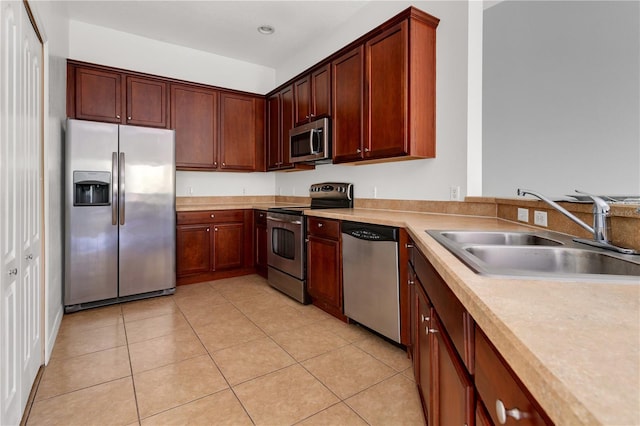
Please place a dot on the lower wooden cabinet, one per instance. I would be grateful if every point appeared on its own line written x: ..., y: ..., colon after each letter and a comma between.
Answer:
x: 261, y: 242
x: 461, y: 377
x: 324, y: 265
x: 213, y: 244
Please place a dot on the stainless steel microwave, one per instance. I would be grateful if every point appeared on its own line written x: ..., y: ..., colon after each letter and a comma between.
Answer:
x: 310, y: 142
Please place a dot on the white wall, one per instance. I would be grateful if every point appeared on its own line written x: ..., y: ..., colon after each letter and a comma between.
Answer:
x: 200, y: 184
x: 54, y: 30
x: 419, y: 179
x: 561, y: 97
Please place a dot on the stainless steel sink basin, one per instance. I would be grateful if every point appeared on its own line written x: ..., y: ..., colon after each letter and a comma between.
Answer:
x: 499, y: 238
x: 554, y: 260
x: 543, y: 255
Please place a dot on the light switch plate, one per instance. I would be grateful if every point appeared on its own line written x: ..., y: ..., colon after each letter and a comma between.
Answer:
x: 523, y: 215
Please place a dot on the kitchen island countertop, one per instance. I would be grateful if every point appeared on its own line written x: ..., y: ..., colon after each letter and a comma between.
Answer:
x: 575, y: 345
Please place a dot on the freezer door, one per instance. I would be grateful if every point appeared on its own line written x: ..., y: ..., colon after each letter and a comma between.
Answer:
x: 91, y: 237
x: 146, y: 211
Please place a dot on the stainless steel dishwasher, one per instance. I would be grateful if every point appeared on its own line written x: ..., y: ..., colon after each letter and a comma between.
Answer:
x: 370, y: 277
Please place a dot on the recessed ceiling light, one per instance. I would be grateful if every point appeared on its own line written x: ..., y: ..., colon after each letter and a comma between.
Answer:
x: 266, y: 29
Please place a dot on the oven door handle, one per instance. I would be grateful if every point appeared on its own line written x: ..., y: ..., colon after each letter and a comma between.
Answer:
x: 295, y: 222
x: 312, y: 151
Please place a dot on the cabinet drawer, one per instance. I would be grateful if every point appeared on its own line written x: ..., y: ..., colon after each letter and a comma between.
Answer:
x: 210, y: 216
x: 495, y: 382
x: 327, y: 228
x: 452, y: 313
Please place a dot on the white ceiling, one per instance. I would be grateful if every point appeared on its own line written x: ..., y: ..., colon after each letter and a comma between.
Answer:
x: 227, y: 28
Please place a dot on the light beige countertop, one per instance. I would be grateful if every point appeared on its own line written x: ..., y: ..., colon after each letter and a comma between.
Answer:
x: 575, y: 345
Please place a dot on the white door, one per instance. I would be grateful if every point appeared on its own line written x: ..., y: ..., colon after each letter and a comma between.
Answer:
x: 20, y: 207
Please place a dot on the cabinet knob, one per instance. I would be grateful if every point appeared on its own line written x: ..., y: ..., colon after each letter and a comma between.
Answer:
x: 503, y: 413
x: 224, y: 164
x: 358, y: 150
x: 366, y: 150
x: 215, y: 164
x: 411, y: 282
x: 28, y: 257
x: 118, y: 117
x: 428, y: 330
x: 409, y: 245
x: 213, y: 215
x: 13, y: 272
x: 215, y: 229
x: 423, y: 318
x: 320, y: 225
x: 207, y: 229
x: 128, y: 118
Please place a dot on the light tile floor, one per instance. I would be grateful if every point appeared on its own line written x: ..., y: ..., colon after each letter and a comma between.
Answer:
x: 232, y: 351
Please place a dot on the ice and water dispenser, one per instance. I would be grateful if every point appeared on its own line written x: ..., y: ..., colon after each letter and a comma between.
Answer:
x: 91, y: 188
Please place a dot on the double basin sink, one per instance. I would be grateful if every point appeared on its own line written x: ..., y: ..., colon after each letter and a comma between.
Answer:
x: 537, y: 255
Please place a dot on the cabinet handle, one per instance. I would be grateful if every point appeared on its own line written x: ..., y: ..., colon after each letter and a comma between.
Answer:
x: 503, y: 413
x: 423, y: 318
x: 13, y: 272
x: 411, y: 282
x: 118, y: 117
x: 358, y: 150
x: 409, y: 245
x: 213, y: 215
x: 320, y: 225
x: 366, y: 150
x: 428, y: 330
x: 28, y: 257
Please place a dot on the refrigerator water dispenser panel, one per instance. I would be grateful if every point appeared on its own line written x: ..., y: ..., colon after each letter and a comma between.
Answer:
x: 91, y: 188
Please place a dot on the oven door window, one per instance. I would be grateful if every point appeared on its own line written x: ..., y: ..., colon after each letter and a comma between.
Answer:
x: 283, y: 243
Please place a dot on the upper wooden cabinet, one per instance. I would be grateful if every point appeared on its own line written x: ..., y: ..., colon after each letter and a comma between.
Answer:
x: 313, y: 95
x: 280, y: 121
x: 348, y: 106
x: 387, y: 110
x: 194, y: 116
x: 146, y: 102
x: 102, y: 94
x: 241, y: 132
x: 216, y: 129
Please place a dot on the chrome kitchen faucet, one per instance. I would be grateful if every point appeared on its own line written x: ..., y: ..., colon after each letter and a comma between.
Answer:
x: 601, y: 225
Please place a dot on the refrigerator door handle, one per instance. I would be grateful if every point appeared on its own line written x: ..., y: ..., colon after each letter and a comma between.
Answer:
x: 114, y: 190
x: 121, y: 181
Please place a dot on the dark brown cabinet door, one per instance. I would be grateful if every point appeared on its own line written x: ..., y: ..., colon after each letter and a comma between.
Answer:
x: 321, y: 91
x: 386, y: 104
x: 146, y: 102
x: 193, y: 249
x: 452, y: 389
x: 302, y: 90
x: 286, y: 124
x: 228, y: 245
x: 422, y: 353
x: 348, y: 106
x: 323, y: 271
x: 237, y: 133
x: 274, y: 145
x: 195, y: 120
x: 261, y: 242
x: 98, y: 95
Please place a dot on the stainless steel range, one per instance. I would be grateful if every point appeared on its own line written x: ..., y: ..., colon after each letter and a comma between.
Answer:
x: 287, y: 232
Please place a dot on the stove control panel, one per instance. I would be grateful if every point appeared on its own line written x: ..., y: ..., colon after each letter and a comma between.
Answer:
x: 333, y: 190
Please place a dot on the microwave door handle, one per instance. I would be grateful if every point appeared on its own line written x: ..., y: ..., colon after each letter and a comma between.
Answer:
x: 311, y: 150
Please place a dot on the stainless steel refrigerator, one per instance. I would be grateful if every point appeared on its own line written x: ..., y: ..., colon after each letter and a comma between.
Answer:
x: 119, y: 213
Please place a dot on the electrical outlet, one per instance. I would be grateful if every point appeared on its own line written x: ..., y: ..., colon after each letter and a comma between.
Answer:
x: 540, y: 218
x: 523, y: 215
x: 244, y: 191
x: 454, y: 193
x: 190, y: 190
x: 375, y: 192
